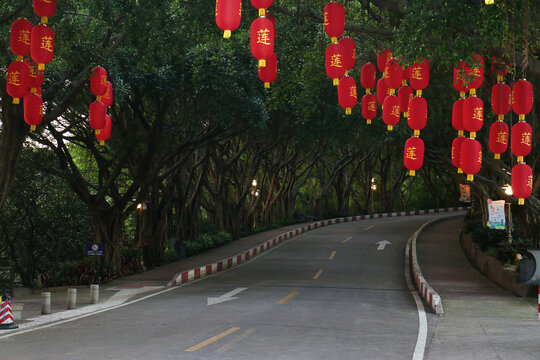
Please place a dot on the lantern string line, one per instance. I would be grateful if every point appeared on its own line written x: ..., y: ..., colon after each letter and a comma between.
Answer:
x: 525, y: 61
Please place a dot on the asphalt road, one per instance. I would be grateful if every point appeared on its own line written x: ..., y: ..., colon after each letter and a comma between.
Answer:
x: 327, y: 294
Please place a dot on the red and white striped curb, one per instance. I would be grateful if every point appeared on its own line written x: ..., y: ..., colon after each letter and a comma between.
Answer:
x: 209, y: 269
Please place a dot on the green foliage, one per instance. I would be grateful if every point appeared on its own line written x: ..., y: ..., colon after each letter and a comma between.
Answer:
x: 207, y: 241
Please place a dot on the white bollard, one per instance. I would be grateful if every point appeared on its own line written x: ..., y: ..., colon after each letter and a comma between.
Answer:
x: 94, y: 294
x: 71, y: 299
x: 45, y: 303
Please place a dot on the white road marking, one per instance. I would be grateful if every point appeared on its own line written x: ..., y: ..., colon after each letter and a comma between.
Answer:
x: 225, y: 297
x: 420, y: 347
x: 382, y: 244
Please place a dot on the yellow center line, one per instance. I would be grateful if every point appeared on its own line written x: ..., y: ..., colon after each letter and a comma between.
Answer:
x: 332, y: 255
x: 235, y: 340
x: 347, y: 239
x: 369, y: 227
x: 318, y: 275
x: 288, y: 297
x: 212, y: 339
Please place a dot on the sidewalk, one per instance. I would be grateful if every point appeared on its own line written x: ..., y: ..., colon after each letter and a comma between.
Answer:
x: 124, y: 289
x: 481, y: 320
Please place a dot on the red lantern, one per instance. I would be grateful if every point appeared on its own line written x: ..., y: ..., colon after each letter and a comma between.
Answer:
x: 471, y: 157
x: 347, y: 93
x: 522, y: 137
x: 228, y: 15
x: 334, y: 20
x: 98, y: 81
x: 406, y: 75
x: 522, y: 98
x: 18, y: 80
x: 369, y: 107
x: 476, y: 72
x: 522, y: 182
x: 262, y: 5
x: 498, y: 138
x: 42, y: 45
x: 44, y: 9
x: 38, y: 92
x: 420, y: 76
x: 457, y: 116
x: 417, y: 114
x: 107, y: 99
x: 97, y: 116
x: 382, y: 57
x: 368, y: 77
x: 268, y: 73
x: 350, y: 52
x: 105, y: 133
x: 413, y: 156
x: 460, y: 74
x: 36, y: 77
x: 500, y: 99
x: 335, y: 67
x: 456, y: 152
x: 33, y: 110
x: 391, y: 111
x: 473, y: 114
x: 382, y: 91
x: 21, y: 31
x: 393, y: 74
x: 262, y: 39
x: 405, y: 94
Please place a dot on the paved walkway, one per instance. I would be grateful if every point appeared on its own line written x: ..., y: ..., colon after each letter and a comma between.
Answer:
x: 481, y: 320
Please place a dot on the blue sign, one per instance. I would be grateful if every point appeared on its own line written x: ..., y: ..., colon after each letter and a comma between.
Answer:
x: 95, y: 249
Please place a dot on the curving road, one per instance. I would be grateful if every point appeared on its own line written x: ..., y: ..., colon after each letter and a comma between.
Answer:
x: 338, y: 292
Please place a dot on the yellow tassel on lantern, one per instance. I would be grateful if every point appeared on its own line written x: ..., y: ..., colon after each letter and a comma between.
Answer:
x: 41, y: 67
x: 334, y: 40
x: 462, y: 94
x: 101, y: 143
x: 32, y: 127
x: 500, y: 117
x: 262, y: 63
x: 499, y: 78
x: 520, y: 159
x: 44, y: 20
x: 392, y: 91
x: 459, y: 171
x: 521, y: 117
x: 521, y: 201
x: 390, y: 128
x: 262, y: 12
x: 19, y: 58
x: 346, y: 72
x: 368, y: 121
x: 33, y: 90
x: 403, y: 82
x: 472, y: 92
x: 267, y: 85
x: 336, y: 82
x: 472, y: 135
x: 412, y: 173
x: 497, y: 156
x: 416, y: 132
x: 15, y: 101
x: 470, y: 177
x: 418, y: 92
x: 227, y: 34
x: 368, y: 91
x: 98, y: 98
x: 406, y: 115
x: 461, y: 133
x: 98, y: 132
x: 348, y: 111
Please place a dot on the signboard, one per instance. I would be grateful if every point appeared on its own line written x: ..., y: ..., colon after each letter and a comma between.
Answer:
x: 497, y: 219
x: 464, y: 193
x: 95, y: 249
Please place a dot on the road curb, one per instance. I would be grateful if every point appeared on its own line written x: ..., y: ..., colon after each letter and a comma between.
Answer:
x: 430, y: 296
x: 230, y: 262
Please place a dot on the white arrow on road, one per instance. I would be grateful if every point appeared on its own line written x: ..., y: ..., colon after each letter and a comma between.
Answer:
x: 225, y: 297
x: 382, y: 244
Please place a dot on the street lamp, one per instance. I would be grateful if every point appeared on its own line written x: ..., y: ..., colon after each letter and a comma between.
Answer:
x: 373, y: 188
x: 254, y: 195
x: 508, y: 191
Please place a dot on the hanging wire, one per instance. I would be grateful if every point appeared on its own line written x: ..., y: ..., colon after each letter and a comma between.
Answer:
x: 525, y: 61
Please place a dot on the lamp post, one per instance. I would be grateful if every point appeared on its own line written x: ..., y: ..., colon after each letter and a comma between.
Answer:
x: 373, y: 188
x: 254, y: 195
x: 508, y: 191
x: 141, y: 207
